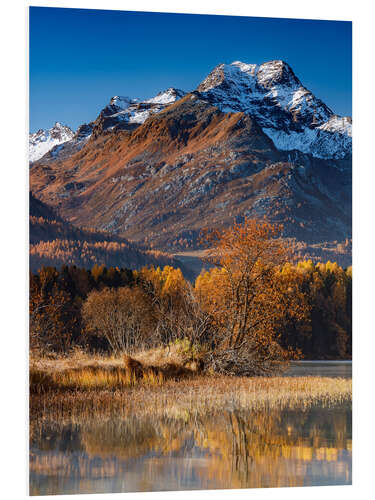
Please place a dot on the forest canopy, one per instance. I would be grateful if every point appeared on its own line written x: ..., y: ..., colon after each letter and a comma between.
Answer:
x: 251, y: 311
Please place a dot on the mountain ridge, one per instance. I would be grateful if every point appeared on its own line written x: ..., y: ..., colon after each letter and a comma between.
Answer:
x: 270, y: 92
x: 197, y: 163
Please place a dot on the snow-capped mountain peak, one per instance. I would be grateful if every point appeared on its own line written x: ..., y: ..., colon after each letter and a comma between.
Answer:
x: 265, y: 75
x: 43, y: 141
x: 276, y: 73
x: 124, y: 112
x: 287, y: 111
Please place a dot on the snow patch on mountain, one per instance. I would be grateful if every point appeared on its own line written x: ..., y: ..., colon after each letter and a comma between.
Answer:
x: 135, y: 111
x: 43, y: 141
x: 317, y: 142
x: 167, y: 96
x: 122, y: 102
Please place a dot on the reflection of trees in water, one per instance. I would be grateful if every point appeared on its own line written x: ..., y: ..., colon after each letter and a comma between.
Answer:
x: 240, y: 449
x: 263, y: 449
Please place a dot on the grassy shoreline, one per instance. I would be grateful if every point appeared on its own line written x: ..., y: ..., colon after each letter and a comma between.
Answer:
x: 82, y: 387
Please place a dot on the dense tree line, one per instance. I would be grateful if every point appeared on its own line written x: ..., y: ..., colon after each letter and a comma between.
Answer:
x: 263, y: 310
x: 85, y: 254
x: 56, y: 298
x: 328, y: 332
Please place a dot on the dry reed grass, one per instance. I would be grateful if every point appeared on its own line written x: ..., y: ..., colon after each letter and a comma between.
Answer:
x: 159, y: 356
x: 152, y: 383
x: 200, y: 394
x: 81, y: 373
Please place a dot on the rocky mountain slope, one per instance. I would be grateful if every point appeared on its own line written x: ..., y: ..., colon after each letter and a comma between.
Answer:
x: 250, y: 141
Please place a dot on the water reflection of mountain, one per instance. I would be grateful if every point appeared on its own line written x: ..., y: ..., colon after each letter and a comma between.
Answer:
x: 231, y: 449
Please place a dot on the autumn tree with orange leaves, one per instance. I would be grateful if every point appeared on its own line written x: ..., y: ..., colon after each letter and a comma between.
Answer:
x: 249, y: 298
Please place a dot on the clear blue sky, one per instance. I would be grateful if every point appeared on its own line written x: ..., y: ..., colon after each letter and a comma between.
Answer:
x: 80, y: 58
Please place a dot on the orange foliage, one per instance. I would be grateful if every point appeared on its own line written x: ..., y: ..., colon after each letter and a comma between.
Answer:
x: 248, y: 296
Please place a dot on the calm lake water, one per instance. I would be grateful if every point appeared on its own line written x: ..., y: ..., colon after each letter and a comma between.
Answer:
x: 342, y: 369
x: 226, y: 449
